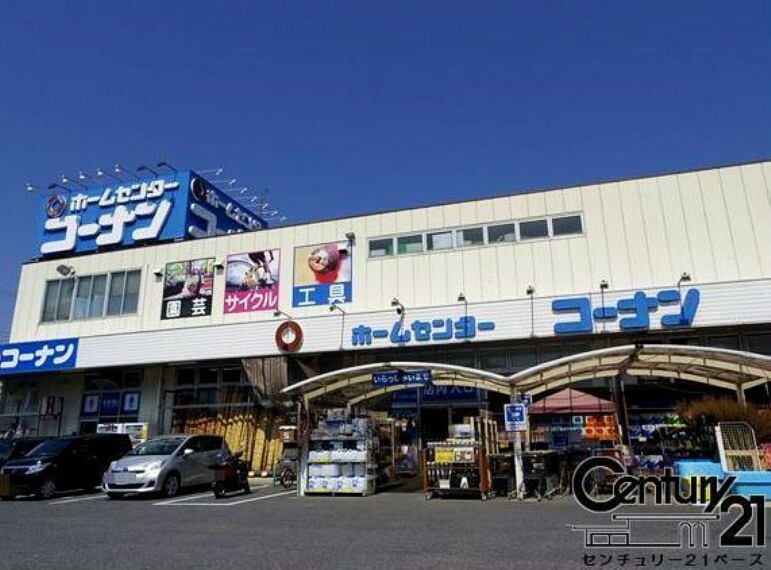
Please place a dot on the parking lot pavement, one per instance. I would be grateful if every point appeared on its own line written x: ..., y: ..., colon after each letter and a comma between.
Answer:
x: 272, y: 528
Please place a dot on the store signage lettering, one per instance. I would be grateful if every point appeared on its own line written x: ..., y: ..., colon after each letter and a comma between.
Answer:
x: 438, y: 330
x: 140, y: 206
x: 176, y: 206
x: 39, y: 356
x: 632, y: 313
x: 401, y: 377
x: 216, y: 206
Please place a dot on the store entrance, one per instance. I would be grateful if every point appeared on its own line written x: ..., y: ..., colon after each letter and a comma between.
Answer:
x: 434, y: 423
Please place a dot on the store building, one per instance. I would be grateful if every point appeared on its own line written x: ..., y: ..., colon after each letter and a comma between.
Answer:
x: 125, y: 317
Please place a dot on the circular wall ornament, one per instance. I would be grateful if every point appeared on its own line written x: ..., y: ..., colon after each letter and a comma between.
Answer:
x: 289, y: 336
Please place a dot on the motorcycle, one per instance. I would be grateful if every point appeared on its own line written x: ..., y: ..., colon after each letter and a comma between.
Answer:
x: 231, y: 476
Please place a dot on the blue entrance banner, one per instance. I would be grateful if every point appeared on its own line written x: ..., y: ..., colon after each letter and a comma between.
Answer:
x: 395, y: 377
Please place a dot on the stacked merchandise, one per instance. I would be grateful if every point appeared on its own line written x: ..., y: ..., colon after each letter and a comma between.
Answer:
x: 457, y: 465
x: 341, y: 457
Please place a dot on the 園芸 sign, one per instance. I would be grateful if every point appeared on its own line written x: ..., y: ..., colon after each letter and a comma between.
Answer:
x: 38, y: 356
x: 188, y: 288
x: 438, y: 330
x: 631, y: 313
x: 175, y: 206
x: 398, y: 377
x: 515, y: 416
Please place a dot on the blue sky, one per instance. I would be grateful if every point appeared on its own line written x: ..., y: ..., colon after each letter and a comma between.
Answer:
x: 348, y: 107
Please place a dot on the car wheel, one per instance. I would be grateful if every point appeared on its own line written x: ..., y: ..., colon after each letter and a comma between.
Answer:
x: 219, y: 490
x: 171, y: 485
x: 47, y: 489
x: 114, y: 496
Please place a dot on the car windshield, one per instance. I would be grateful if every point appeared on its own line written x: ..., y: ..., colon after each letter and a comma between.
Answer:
x: 165, y: 446
x: 6, y: 448
x: 50, y: 447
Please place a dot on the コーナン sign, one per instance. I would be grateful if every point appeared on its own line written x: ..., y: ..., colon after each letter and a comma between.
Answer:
x: 179, y: 205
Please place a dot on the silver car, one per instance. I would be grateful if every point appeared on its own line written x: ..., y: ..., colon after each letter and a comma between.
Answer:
x: 166, y: 464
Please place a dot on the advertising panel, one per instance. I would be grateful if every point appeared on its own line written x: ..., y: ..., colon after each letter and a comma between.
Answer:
x: 252, y: 282
x: 188, y: 288
x: 118, y: 213
x: 322, y: 274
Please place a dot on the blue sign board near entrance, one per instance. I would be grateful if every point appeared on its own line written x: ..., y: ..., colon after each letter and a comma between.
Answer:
x: 515, y: 416
x: 397, y: 377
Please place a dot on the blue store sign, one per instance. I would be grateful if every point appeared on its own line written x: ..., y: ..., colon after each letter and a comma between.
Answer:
x: 438, y: 330
x: 174, y: 206
x: 38, y: 356
x: 633, y: 313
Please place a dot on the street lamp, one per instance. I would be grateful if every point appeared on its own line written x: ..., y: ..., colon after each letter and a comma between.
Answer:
x: 335, y: 306
x: 279, y: 313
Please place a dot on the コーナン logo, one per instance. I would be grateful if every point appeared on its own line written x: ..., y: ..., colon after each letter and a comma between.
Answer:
x: 56, y: 206
x: 688, y: 530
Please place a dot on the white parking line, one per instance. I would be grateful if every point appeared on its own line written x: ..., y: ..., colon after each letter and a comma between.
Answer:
x: 182, y: 499
x: 222, y: 504
x: 78, y: 499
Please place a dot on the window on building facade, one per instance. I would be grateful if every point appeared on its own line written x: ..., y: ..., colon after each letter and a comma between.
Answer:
x: 470, y: 236
x: 493, y: 359
x: 505, y: 233
x: 501, y: 233
x: 534, y: 229
x: 567, y: 225
x: 91, y: 296
x: 523, y: 357
x: 381, y: 247
x: 439, y: 240
x: 760, y: 343
x: 466, y: 359
x: 409, y: 244
x: 212, y: 386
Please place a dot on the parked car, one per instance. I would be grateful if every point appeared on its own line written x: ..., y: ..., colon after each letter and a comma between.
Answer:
x: 16, y: 448
x: 62, y: 464
x: 166, y: 464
